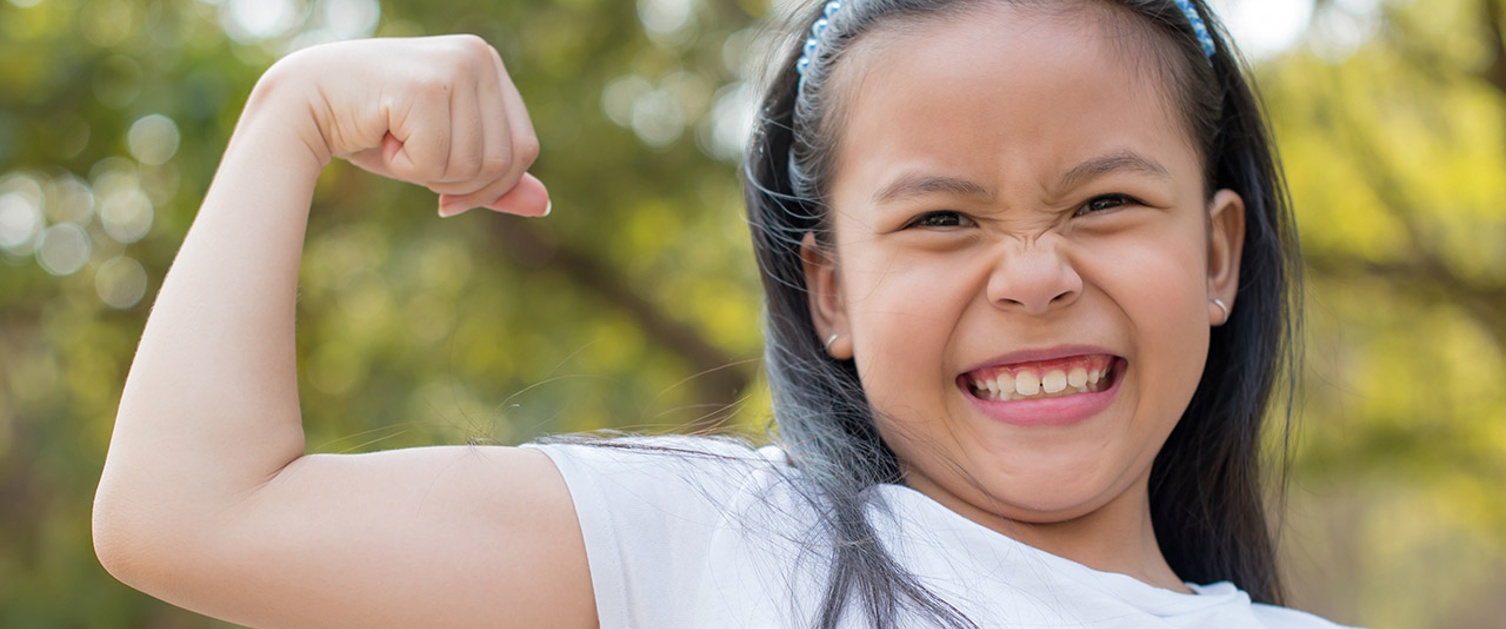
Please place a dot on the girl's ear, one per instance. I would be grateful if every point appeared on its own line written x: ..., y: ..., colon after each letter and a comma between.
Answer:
x: 1226, y: 241
x: 828, y: 309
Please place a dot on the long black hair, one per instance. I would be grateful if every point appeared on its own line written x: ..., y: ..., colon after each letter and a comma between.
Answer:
x: 1207, y: 483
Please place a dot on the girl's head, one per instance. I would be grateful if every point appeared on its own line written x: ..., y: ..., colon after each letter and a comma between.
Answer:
x: 975, y: 193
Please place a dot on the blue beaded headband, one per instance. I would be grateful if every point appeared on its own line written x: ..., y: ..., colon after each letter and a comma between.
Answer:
x: 1203, y: 37
x: 814, y: 40
x: 813, y: 43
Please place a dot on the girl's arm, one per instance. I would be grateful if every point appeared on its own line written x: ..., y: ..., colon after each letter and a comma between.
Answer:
x: 208, y: 500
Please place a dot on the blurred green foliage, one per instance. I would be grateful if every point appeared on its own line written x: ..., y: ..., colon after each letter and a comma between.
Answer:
x: 636, y: 305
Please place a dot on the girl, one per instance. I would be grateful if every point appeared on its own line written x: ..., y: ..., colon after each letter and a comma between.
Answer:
x: 1028, y: 268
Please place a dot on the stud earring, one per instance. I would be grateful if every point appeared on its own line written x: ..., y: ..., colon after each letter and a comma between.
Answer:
x: 831, y: 339
x: 1221, y: 306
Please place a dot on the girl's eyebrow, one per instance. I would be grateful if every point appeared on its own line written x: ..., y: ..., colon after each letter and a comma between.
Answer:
x: 1126, y: 160
x: 913, y: 185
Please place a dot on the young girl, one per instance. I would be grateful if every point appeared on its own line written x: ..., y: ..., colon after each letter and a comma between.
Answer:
x: 1028, y: 268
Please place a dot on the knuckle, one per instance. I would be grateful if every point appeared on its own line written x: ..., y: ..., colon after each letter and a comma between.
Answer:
x: 432, y: 172
x: 495, y: 165
x: 471, y: 41
x: 457, y: 66
x: 428, y: 167
x: 471, y: 169
x: 470, y: 49
x: 526, y: 150
x: 432, y: 83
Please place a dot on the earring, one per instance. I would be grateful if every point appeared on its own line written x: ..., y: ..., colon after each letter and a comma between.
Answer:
x: 831, y: 339
x: 1221, y: 306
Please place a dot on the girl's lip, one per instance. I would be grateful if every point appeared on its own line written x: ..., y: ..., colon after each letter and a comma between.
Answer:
x: 1061, y: 411
x: 1040, y: 355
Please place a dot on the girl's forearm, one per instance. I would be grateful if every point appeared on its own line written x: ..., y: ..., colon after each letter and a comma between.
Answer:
x: 210, y: 409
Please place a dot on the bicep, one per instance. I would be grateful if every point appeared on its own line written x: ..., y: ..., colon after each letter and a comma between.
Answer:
x: 447, y: 536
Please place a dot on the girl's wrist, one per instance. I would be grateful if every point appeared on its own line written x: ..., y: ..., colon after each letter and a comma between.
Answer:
x: 283, y: 110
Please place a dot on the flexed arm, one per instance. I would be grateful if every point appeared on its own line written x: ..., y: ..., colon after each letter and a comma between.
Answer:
x: 207, y: 499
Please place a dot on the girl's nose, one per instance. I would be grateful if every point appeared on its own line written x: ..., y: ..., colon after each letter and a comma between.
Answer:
x: 1034, y: 277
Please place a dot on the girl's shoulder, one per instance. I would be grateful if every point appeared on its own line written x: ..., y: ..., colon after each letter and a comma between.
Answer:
x: 686, y: 519
x: 682, y: 471
x: 608, y: 451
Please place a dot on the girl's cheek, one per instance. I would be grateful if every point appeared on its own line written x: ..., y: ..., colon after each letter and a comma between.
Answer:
x: 1167, y: 267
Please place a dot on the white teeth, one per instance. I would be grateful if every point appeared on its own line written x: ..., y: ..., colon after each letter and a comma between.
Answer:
x: 1078, y: 378
x: 1030, y: 384
x: 1005, y: 383
x: 1027, y: 383
x: 1054, y: 381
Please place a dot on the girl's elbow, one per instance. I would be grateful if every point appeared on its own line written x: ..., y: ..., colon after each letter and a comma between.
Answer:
x: 116, y: 546
x: 129, y: 543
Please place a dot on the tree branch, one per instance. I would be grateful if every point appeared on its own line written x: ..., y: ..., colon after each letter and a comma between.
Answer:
x: 719, y: 379
x: 1427, y: 282
x: 1494, y: 15
x: 1421, y: 271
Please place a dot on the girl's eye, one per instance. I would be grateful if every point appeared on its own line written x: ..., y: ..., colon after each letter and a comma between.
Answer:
x: 1105, y: 203
x: 941, y: 218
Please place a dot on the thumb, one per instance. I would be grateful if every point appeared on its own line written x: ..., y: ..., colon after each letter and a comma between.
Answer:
x: 528, y: 198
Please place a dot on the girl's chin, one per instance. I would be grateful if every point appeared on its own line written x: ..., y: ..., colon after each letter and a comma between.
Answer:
x: 1034, y: 495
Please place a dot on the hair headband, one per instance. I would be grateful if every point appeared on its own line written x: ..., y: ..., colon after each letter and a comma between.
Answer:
x: 1203, y: 36
x: 813, y: 43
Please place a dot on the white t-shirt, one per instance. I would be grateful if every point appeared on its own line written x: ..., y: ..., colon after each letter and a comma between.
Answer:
x: 717, y: 535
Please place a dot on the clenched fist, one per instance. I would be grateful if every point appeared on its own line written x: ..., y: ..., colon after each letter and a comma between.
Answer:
x: 439, y: 112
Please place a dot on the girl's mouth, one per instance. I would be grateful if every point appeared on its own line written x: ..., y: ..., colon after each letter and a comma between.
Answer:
x: 1041, y: 380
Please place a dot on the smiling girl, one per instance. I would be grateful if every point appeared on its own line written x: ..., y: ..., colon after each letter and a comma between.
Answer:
x: 1029, y: 275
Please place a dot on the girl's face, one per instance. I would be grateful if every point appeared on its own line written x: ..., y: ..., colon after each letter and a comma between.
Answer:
x: 1024, y: 259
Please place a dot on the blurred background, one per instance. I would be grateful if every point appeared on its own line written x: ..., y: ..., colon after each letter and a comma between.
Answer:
x: 636, y: 305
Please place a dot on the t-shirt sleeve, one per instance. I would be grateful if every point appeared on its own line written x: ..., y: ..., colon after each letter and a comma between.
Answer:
x: 648, y: 510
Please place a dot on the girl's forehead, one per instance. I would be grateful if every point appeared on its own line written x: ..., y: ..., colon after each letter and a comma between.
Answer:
x: 1027, y: 90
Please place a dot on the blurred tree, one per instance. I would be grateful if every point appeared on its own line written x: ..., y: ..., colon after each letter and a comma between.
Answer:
x: 635, y: 305
x: 1392, y: 122
x: 632, y: 307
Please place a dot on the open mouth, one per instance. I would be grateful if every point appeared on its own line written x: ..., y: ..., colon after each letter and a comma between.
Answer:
x: 1042, y: 380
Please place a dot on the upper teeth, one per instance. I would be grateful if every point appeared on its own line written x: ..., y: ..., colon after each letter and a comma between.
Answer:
x: 1027, y: 383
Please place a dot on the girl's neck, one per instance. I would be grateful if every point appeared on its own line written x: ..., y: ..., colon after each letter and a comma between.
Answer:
x: 1118, y: 537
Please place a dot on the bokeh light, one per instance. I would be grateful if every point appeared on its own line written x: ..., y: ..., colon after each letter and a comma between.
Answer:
x: 69, y: 199
x: 618, y: 97
x: 349, y: 18
x: 1265, y: 27
x: 657, y: 118
x: 731, y: 122
x: 251, y: 21
x: 153, y: 139
x: 20, y: 221
x: 20, y: 213
x: 64, y: 249
x: 120, y: 282
x: 664, y: 20
x: 125, y: 211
